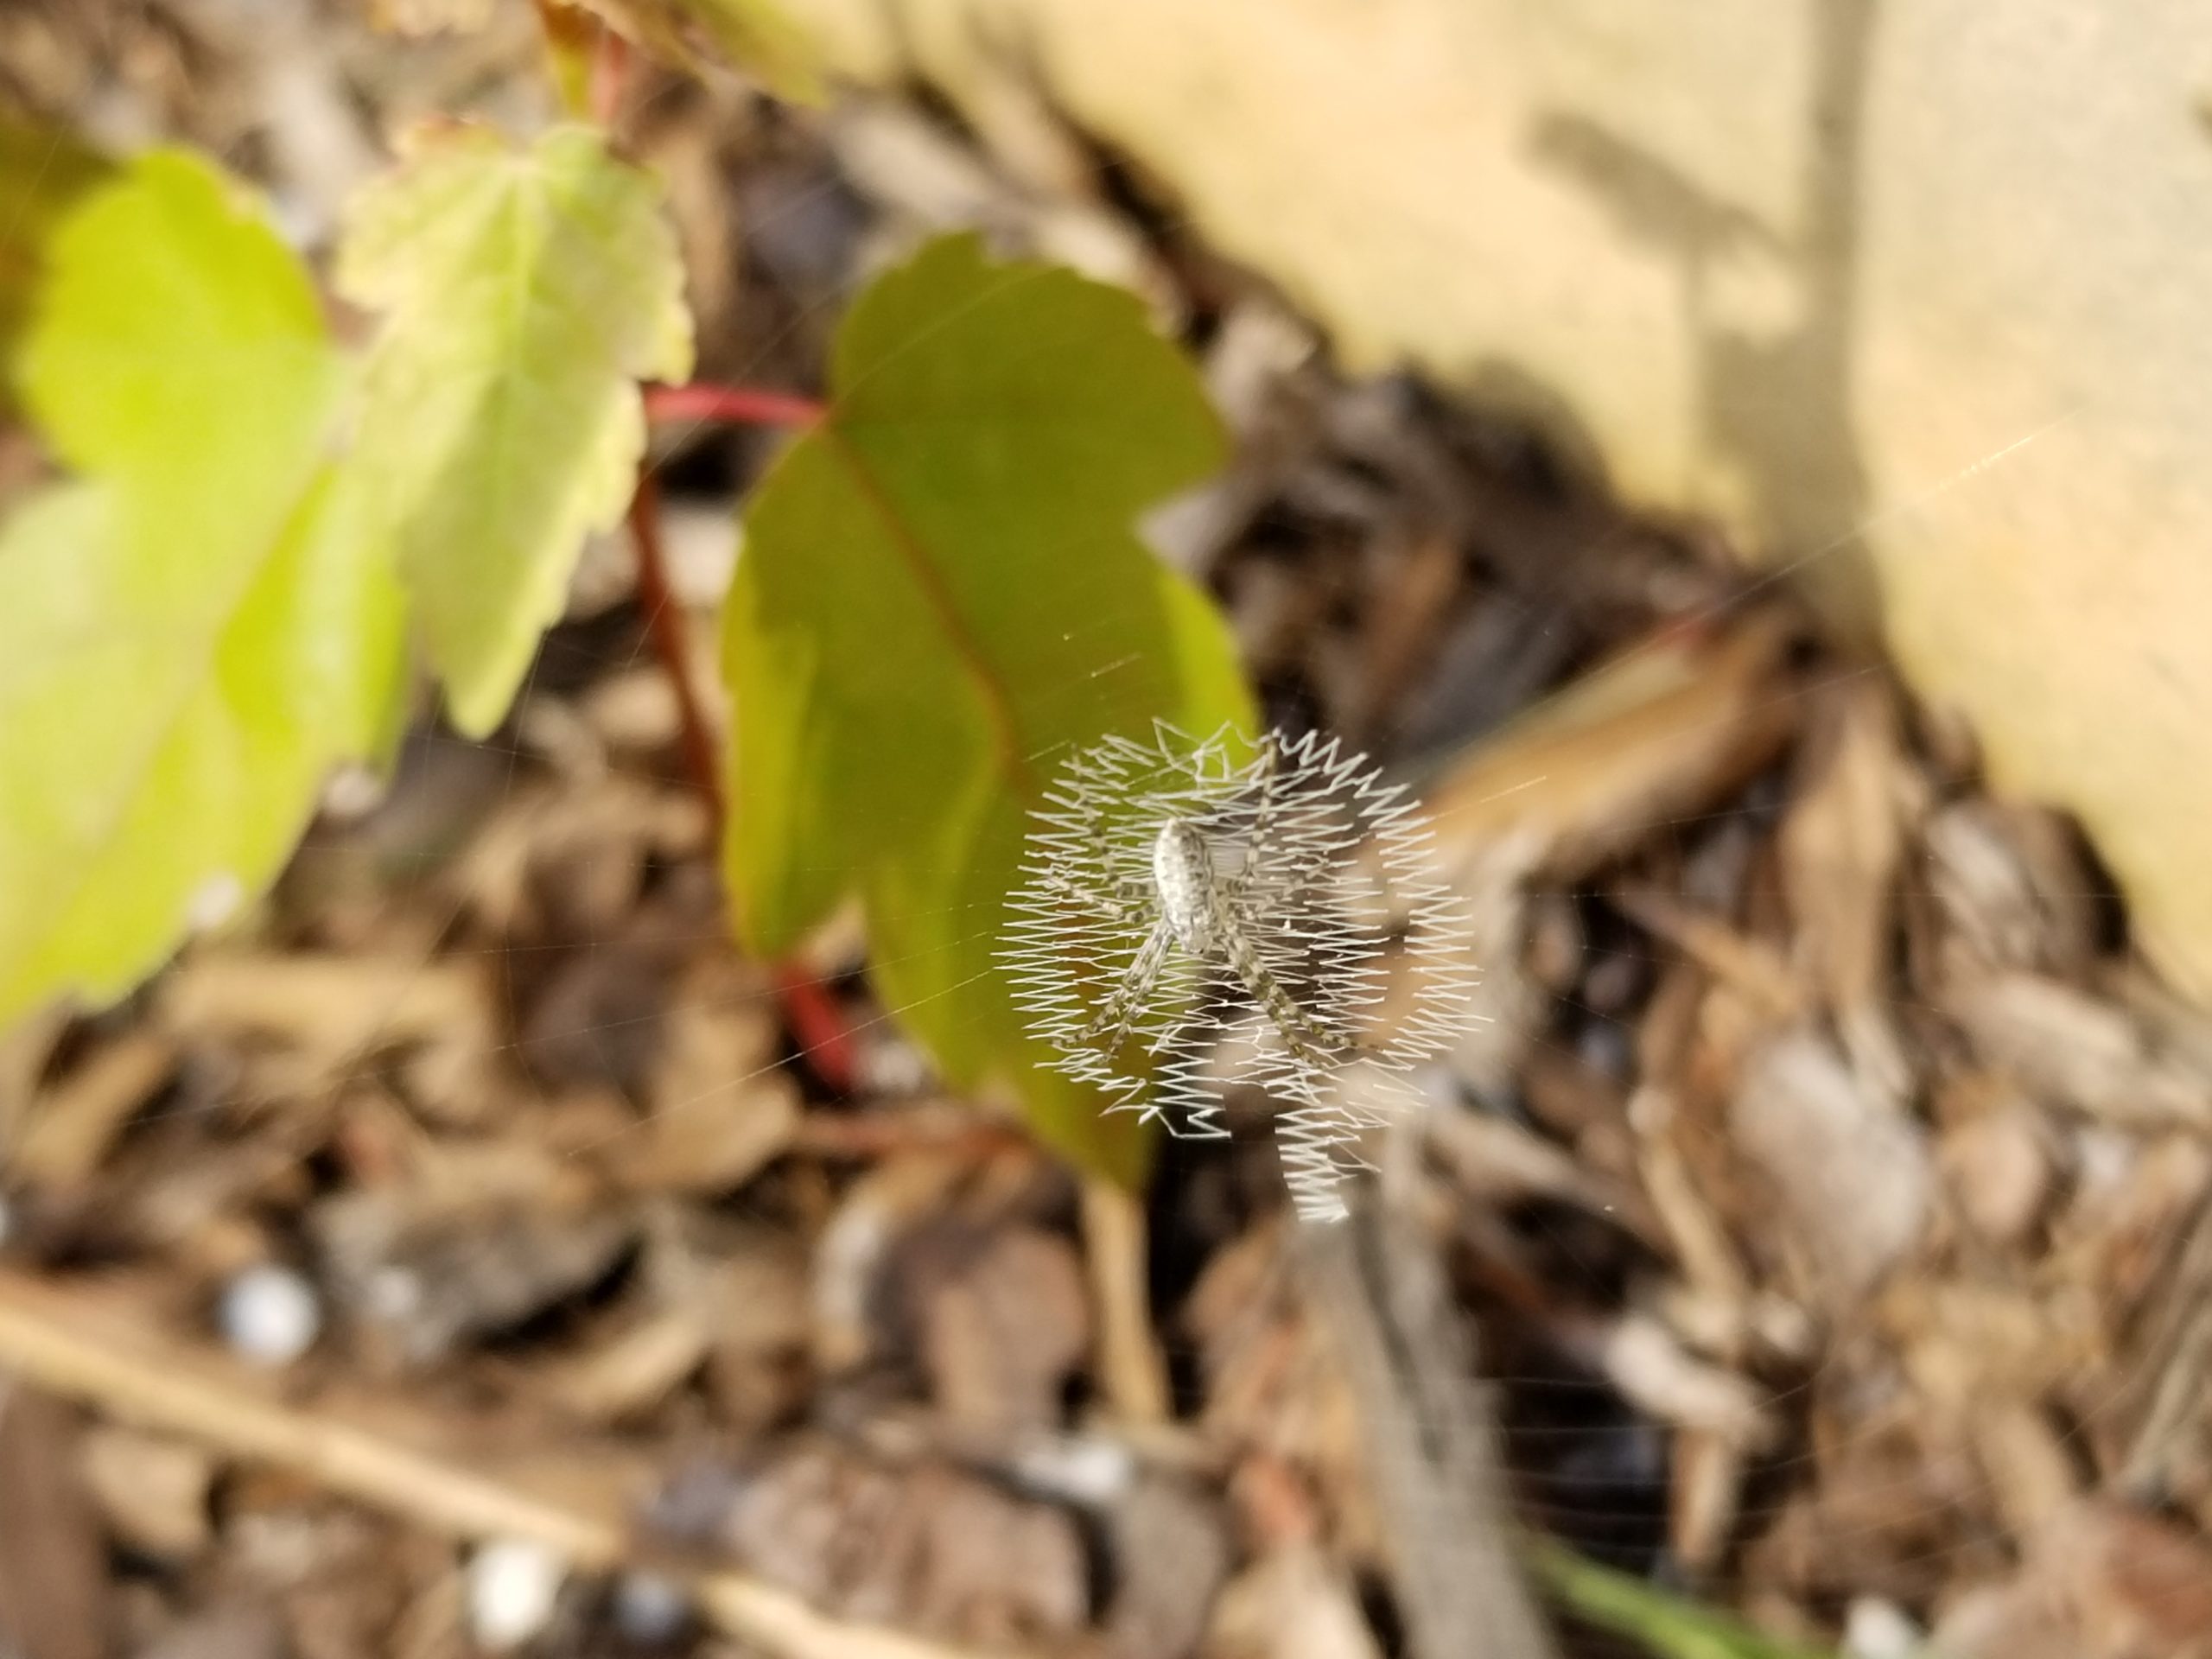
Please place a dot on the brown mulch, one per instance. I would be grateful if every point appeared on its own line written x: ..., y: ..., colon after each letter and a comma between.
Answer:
x: 1824, y: 1189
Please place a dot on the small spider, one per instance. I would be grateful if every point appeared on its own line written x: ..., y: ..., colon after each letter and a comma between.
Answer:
x: 1174, y: 891
x: 1199, y: 913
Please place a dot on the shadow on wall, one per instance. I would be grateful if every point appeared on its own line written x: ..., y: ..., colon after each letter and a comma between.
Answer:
x: 1778, y: 404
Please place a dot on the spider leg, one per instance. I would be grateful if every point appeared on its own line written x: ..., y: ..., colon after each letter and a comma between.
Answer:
x: 1119, y: 1009
x: 1135, y: 890
x: 1292, y: 1024
x: 1264, y: 816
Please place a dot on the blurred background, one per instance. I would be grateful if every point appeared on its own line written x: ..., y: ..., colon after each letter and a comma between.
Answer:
x: 1742, y: 466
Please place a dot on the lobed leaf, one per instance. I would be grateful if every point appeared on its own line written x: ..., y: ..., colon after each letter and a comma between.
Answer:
x: 195, y: 630
x: 526, y: 292
x: 940, y: 597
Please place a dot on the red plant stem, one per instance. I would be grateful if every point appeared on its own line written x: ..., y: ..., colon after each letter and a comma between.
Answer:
x: 730, y: 405
x: 665, y: 625
x: 818, y: 1026
x: 812, y: 1013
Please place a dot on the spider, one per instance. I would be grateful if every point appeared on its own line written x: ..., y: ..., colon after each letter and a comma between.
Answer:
x: 1171, y: 887
x: 1199, y: 912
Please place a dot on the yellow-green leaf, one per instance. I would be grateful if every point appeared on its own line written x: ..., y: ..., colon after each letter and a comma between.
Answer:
x: 940, y: 597
x: 193, y: 631
x: 526, y: 292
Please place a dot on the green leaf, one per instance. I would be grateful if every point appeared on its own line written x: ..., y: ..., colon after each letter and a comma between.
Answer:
x: 527, y: 292
x: 43, y: 173
x: 940, y: 597
x: 193, y: 631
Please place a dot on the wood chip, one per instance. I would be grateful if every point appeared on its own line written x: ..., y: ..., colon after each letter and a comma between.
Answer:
x: 1296, y: 1604
x: 922, y: 1546
x: 1171, y: 1552
x: 632, y: 1372
x: 1005, y: 1321
x: 1855, y: 1178
x: 433, y: 1269
x: 72, y: 1126
x: 2075, y: 1050
x: 153, y: 1491
x: 1998, y: 1163
x: 1663, y: 732
x: 1840, y: 847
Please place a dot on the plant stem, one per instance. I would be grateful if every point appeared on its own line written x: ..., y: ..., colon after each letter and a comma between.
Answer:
x: 730, y: 405
x: 817, y: 1025
x: 664, y: 626
x: 808, y: 1010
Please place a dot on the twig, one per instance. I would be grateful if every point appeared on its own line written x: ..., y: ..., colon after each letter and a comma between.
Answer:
x: 63, y: 1343
x: 730, y: 405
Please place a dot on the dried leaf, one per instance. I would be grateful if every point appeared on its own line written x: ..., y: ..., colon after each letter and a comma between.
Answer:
x: 1840, y: 848
x: 73, y: 1124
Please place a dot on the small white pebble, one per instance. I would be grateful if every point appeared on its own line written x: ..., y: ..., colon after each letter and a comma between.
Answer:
x: 1875, y: 1629
x: 513, y: 1584
x: 270, y: 1314
x: 650, y: 1610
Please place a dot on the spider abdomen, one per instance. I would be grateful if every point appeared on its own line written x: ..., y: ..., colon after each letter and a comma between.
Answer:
x: 1196, y: 911
x: 1190, y: 898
